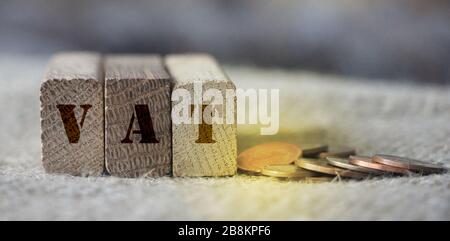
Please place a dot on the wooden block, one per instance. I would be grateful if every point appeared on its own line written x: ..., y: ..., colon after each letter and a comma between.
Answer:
x: 72, y: 115
x: 201, y: 149
x: 137, y: 116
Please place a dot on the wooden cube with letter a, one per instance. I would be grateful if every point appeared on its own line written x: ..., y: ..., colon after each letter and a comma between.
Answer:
x: 202, y: 148
x: 72, y: 115
x: 137, y: 116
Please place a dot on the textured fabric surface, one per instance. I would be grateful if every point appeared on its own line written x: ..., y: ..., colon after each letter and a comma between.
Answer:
x: 373, y: 116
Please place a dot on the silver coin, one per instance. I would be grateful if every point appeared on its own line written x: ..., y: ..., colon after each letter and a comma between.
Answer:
x: 344, y: 163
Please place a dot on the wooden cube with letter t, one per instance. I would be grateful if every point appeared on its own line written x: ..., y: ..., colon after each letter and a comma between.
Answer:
x: 72, y: 126
x: 137, y: 116
x: 202, y: 148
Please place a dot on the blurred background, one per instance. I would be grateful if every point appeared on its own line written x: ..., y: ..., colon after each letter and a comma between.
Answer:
x: 401, y: 40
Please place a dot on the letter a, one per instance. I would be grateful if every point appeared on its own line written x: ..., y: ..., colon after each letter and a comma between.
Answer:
x: 70, y: 121
x: 145, y: 125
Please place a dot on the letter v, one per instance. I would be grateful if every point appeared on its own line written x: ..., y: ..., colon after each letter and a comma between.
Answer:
x: 70, y: 121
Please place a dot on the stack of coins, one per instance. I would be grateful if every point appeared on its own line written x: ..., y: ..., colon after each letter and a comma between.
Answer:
x: 319, y: 163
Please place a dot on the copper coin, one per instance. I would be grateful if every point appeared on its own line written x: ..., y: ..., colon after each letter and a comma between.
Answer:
x: 290, y: 171
x: 273, y: 153
x: 338, y: 152
x: 322, y: 166
x: 251, y: 173
x: 313, y: 150
x: 367, y: 162
x: 408, y: 163
x: 345, y: 164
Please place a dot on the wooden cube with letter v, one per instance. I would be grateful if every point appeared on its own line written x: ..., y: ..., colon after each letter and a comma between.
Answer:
x: 203, y: 117
x: 72, y: 134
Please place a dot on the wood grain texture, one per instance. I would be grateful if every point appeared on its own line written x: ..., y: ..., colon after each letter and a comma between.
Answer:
x: 73, y: 78
x: 202, y: 159
x: 132, y: 80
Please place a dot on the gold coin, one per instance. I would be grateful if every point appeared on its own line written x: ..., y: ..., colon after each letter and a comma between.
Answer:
x: 343, y: 152
x: 313, y: 150
x: 273, y: 153
x: 317, y: 179
x: 290, y: 171
x: 322, y: 166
